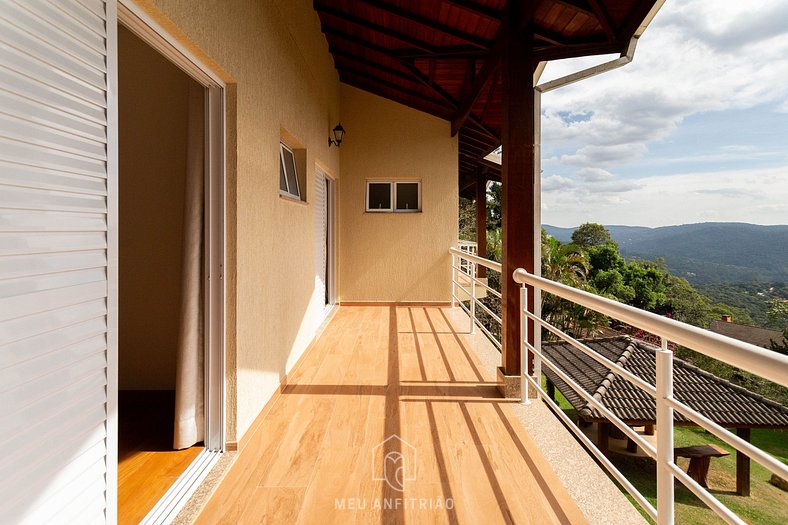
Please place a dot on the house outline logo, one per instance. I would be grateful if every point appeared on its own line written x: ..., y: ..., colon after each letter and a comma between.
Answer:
x: 396, y: 466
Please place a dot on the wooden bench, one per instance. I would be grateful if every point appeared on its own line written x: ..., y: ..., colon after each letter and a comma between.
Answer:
x: 700, y: 457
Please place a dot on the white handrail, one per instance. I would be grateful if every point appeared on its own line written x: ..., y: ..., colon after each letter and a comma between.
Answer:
x: 767, y: 364
x: 481, y: 261
x: 759, y: 361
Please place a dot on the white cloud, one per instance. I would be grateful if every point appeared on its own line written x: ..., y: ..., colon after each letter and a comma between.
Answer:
x: 759, y: 195
x: 697, y: 56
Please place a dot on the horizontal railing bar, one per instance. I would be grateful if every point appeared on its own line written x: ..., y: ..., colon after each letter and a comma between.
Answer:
x: 492, y: 265
x: 705, y: 496
x: 647, y: 447
x: 635, y: 493
x: 618, y: 369
x: 769, y: 462
x: 462, y: 271
x: 489, y: 312
x: 759, y: 361
x: 488, y: 334
x: 493, y: 290
x: 462, y: 305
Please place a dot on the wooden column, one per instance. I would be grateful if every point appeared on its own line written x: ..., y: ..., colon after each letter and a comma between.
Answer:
x: 603, y: 437
x: 481, y: 223
x: 517, y: 139
x: 743, y: 466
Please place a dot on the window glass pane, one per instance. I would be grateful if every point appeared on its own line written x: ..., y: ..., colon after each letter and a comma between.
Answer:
x: 290, y: 171
x: 282, y: 181
x: 407, y: 195
x: 379, y: 195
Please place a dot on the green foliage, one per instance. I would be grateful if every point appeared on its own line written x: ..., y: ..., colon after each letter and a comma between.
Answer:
x: 781, y: 347
x: 494, y: 217
x: 467, y: 220
x: 590, y: 234
x: 751, y: 297
x: 495, y: 245
x: 777, y: 316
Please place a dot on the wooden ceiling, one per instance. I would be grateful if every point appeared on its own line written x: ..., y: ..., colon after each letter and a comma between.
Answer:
x: 442, y: 56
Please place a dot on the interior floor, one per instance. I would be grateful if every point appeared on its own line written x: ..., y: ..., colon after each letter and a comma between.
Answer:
x: 147, y: 465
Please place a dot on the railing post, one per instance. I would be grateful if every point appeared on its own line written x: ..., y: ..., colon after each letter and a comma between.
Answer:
x: 453, y: 281
x: 523, y: 349
x: 472, y: 276
x: 665, y: 498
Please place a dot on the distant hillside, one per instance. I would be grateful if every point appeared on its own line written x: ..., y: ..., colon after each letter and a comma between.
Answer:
x: 710, y: 252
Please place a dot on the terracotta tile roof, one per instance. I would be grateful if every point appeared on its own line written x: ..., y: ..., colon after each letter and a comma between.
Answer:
x: 719, y: 400
x: 749, y: 334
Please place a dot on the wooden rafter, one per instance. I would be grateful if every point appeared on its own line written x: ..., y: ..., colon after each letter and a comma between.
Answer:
x: 433, y: 25
x: 372, y: 26
x: 487, y: 70
x: 578, y: 5
x: 396, y: 93
x: 604, y: 20
x: 476, y: 9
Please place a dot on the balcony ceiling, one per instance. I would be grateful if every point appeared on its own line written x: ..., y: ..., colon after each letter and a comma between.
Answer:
x: 441, y: 56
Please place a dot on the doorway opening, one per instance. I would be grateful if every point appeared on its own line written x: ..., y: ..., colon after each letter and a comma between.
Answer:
x: 170, y: 309
x: 326, y: 236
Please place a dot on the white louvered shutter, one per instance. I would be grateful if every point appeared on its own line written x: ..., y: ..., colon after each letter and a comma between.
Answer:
x: 57, y: 449
x: 320, y: 235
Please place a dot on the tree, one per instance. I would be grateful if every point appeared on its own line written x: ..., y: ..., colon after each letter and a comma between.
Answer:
x: 494, y: 217
x: 778, y: 314
x: 780, y: 347
x: 565, y: 263
x: 467, y: 220
x: 590, y: 234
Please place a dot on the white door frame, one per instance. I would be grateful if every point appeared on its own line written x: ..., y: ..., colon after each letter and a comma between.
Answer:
x: 331, y: 238
x: 134, y: 18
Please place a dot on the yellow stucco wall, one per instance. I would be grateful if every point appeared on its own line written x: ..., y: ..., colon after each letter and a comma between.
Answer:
x: 283, y: 79
x: 283, y: 84
x: 396, y: 256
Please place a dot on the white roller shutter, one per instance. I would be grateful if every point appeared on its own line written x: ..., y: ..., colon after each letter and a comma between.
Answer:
x: 320, y: 235
x: 57, y: 231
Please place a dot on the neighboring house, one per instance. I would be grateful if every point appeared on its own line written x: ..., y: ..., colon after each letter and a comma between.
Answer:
x: 754, y: 335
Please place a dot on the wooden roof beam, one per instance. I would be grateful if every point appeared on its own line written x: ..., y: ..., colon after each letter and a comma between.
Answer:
x: 476, y: 9
x: 372, y: 26
x: 484, y: 75
x: 604, y: 19
x: 433, y: 25
x: 377, y: 86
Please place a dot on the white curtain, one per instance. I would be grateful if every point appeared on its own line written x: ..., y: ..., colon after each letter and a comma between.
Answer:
x: 189, y: 379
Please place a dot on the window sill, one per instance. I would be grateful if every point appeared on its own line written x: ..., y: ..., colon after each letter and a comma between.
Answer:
x: 291, y: 198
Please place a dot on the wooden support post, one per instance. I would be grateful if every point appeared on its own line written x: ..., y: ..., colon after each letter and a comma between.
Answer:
x: 743, y: 466
x: 518, y: 204
x: 481, y: 223
x: 603, y: 437
x: 648, y: 429
x: 550, y: 390
x: 631, y: 445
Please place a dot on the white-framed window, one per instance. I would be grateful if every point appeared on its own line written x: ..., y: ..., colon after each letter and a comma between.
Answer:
x: 288, y: 173
x: 402, y: 196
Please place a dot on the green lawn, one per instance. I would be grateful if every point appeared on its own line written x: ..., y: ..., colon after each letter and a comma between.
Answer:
x: 766, y: 504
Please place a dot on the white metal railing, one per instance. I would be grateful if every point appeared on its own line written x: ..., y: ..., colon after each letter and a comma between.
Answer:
x: 469, y: 248
x: 464, y: 262
x: 759, y: 361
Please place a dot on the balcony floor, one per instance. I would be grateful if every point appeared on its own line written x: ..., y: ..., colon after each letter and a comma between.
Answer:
x: 377, y: 372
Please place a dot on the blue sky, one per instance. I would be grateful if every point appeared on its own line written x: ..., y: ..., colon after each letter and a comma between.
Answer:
x: 694, y: 129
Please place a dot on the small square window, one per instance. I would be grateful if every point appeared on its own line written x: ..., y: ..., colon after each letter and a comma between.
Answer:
x: 408, y: 196
x: 399, y: 196
x: 288, y: 176
x: 379, y: 196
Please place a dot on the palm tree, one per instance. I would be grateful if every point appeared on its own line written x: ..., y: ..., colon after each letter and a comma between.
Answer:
x: 566, y: 264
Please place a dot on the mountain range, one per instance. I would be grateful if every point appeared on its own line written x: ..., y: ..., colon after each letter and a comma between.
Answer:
x: 710, y: 252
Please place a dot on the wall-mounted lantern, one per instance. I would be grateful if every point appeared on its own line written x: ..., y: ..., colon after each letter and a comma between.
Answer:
x: 339, y: 134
